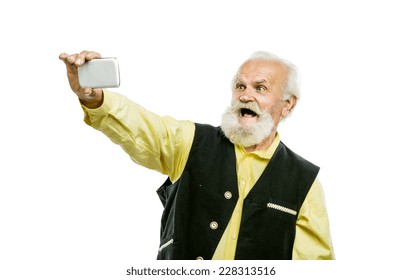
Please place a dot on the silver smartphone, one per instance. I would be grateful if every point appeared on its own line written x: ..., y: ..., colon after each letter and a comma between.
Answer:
x: 99, y: 73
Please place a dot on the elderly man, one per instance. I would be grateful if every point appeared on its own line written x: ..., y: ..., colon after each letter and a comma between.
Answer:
x: 234, y: 191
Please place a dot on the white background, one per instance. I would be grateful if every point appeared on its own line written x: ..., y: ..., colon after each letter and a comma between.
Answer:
x: 74, y: 206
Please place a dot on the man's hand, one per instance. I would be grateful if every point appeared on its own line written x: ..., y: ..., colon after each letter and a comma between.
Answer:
x: 91, y: 98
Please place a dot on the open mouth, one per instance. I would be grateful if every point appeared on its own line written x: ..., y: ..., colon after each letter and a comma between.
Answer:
x: 247, y: 113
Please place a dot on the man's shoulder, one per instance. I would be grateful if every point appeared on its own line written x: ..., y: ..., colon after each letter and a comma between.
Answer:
x: 290, y: 154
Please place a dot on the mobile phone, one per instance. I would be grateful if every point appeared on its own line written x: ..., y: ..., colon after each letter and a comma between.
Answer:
x: 99, y: 73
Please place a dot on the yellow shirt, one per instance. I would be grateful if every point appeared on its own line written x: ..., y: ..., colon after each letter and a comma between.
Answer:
x: 163, y: 144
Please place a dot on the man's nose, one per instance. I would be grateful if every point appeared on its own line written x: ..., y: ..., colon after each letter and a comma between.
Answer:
x: 247, y: 96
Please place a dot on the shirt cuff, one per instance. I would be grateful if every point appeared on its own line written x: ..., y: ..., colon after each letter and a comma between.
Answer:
x: 93, y: 116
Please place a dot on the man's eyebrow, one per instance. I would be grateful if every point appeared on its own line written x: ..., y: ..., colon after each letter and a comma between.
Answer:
x: 238, y: 80
x: 260, y: 81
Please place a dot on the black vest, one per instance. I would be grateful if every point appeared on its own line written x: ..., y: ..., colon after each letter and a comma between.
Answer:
x: 199, y: 205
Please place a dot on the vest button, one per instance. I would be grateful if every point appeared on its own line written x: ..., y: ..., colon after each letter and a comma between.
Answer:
x: 213, y: 225
x: 199, y: 258
x: 228, y: 195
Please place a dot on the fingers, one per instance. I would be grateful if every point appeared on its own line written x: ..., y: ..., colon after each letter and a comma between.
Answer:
x: 92, y: 98
x: 89, y: 93
x: 65, y: 58
x: 78, y: 59
x: 84, y: 56
x: 92, y: 93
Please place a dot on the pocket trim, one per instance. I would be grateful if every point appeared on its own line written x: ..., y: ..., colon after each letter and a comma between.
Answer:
x: 170, y: 242
x: 282, y: 208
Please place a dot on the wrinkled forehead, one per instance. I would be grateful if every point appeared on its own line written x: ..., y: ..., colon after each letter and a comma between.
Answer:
x: 262, y: 70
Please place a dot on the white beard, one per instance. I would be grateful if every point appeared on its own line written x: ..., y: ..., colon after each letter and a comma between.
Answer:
x: 247, y: 135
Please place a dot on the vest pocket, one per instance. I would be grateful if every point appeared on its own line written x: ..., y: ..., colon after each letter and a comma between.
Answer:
x: 169, y: 250
x: 166, y: 244
x: 281, y: 208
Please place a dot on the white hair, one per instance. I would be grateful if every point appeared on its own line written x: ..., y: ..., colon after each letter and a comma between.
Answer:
x: 248, y: 135
x: 291, y: 87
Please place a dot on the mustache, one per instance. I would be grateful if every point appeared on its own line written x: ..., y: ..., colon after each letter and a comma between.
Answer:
x: 247, y: 135
x: 237, y: 106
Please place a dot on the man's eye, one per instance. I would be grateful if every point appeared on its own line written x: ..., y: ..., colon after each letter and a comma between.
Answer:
x: 240, y: 87
x: 261, y: 88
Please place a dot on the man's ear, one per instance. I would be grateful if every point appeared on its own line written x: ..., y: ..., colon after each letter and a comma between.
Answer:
x: 290, y: 104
